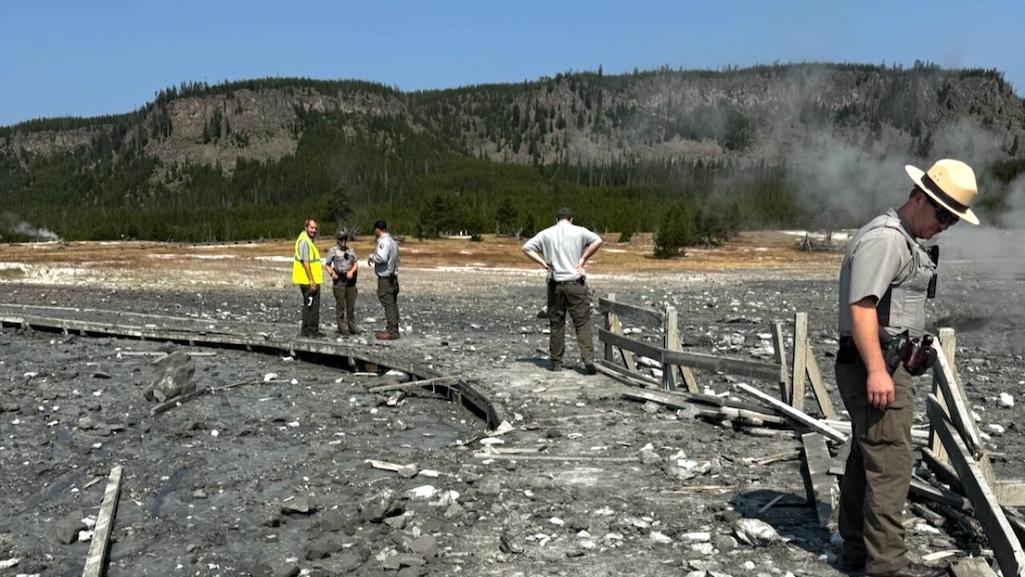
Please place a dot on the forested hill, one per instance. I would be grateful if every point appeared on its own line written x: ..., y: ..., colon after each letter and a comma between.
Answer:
x: 763, y: 146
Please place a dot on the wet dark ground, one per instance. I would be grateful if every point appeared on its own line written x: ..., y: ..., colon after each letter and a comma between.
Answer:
x: 207, y: 482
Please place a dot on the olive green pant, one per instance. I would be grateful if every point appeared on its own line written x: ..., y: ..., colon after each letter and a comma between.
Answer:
x: 310, y: 310
x: 569, y: 297
x: 388, y: 294
x: 878, y: 474
x: 345, y: 306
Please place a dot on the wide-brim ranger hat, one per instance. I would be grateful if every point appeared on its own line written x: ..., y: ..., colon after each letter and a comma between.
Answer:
x: 951, y: 183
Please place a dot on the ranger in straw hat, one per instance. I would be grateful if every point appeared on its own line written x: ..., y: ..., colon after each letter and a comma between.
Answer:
x: 885, y: 279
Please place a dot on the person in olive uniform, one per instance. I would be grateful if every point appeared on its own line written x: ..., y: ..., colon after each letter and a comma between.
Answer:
x: 385, y: 262
x: 562, y: 250
x: 341, y: 265
x: 884, y: 282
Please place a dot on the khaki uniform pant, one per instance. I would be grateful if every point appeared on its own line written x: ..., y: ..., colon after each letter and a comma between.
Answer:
x: 569, y: 297
x: 875, y: 483
x: 310, y: 310
x: 345, y: 305
x: 388, y: 294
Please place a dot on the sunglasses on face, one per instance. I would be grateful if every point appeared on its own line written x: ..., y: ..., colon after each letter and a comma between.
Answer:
x: 943, y: 216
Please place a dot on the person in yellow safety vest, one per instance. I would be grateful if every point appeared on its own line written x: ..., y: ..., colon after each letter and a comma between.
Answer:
x: 308, y: 273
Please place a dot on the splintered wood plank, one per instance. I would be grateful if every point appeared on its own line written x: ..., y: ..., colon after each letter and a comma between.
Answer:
x: 817, y: 385
x: 792, y: 413
x: 611, y: 305
x: 822, y: 491
x: 800, y: 361
x: 1011, y: 492
x: 1006, y: 547
x: 839, y: 463
x: 96, y: 562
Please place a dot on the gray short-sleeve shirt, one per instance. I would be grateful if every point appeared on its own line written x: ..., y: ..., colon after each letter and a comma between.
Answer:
x: 875, y: 259
x: 562, y: 245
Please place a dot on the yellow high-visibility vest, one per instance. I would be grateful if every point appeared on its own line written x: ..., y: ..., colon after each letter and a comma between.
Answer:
x: 298, y: 271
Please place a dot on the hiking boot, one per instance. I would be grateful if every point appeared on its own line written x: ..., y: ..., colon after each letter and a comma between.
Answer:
x: 556, y: 366
x: 590, y: 369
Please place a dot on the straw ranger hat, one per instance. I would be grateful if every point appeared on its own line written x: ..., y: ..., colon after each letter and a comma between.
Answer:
x: 951, y: 183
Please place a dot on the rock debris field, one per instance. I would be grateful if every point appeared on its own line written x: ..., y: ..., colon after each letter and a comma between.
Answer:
x: 268, y: 473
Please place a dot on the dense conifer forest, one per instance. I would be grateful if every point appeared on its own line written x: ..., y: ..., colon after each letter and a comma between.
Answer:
x: 480, y: 159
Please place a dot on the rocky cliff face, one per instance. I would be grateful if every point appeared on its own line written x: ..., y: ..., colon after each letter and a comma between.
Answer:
x: 771, y: 114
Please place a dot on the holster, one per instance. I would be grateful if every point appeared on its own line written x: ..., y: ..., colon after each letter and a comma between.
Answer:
x: 916, y: 354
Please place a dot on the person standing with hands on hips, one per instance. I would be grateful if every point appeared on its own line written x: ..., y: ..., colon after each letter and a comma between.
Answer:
x: 562, y: 250
x: 385, y: 262
x: 342, y: 266
x: 885, y: 279
x: 308, y: 274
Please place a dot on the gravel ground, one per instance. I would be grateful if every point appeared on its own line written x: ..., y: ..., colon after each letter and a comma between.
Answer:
x: 270, y: 478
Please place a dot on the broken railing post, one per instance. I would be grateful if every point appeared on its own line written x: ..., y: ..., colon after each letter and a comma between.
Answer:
x: 821, y: 487
x: 948, y: 383
x: 948, y: 342
x: 671, y: 339
x: 800, y: 360
x: 779, y: 346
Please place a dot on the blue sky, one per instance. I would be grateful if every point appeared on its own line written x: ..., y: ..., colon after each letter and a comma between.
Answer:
x: 78, y: 58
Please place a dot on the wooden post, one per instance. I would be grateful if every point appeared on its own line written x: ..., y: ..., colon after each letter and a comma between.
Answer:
x: 685, y: 372
x: 671, y: 339
x: 821, y: 487
x: 779, y: 345
x: 948, y: 342
x: 607, y: 318
x: 800, y: 363
x: 616, y: 327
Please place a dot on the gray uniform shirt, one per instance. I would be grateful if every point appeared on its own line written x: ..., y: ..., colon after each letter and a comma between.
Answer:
x: 885, y: 262
x: 386, y: 258
x: 341, y: 260
x: 561, y: 245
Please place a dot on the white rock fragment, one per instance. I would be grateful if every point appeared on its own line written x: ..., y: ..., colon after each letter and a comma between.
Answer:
x: 696, y: 537
x: 755, y: 532
x: 84, y: 536
x: 428, y: 473
x: 491, y: 441
x: 926, y: 528
x: 422, y: 492
x: 557, y: 521
x: 1006, y: 400
x: 995, y: 429
x: 660, y: 538
x: 703, y: 548
x: 8, y: 563
x: 269, y: 377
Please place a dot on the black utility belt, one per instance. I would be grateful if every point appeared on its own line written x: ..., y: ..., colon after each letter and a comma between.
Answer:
x: 916, y: 354
x: 574, y: 281
x: 389, y: 276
